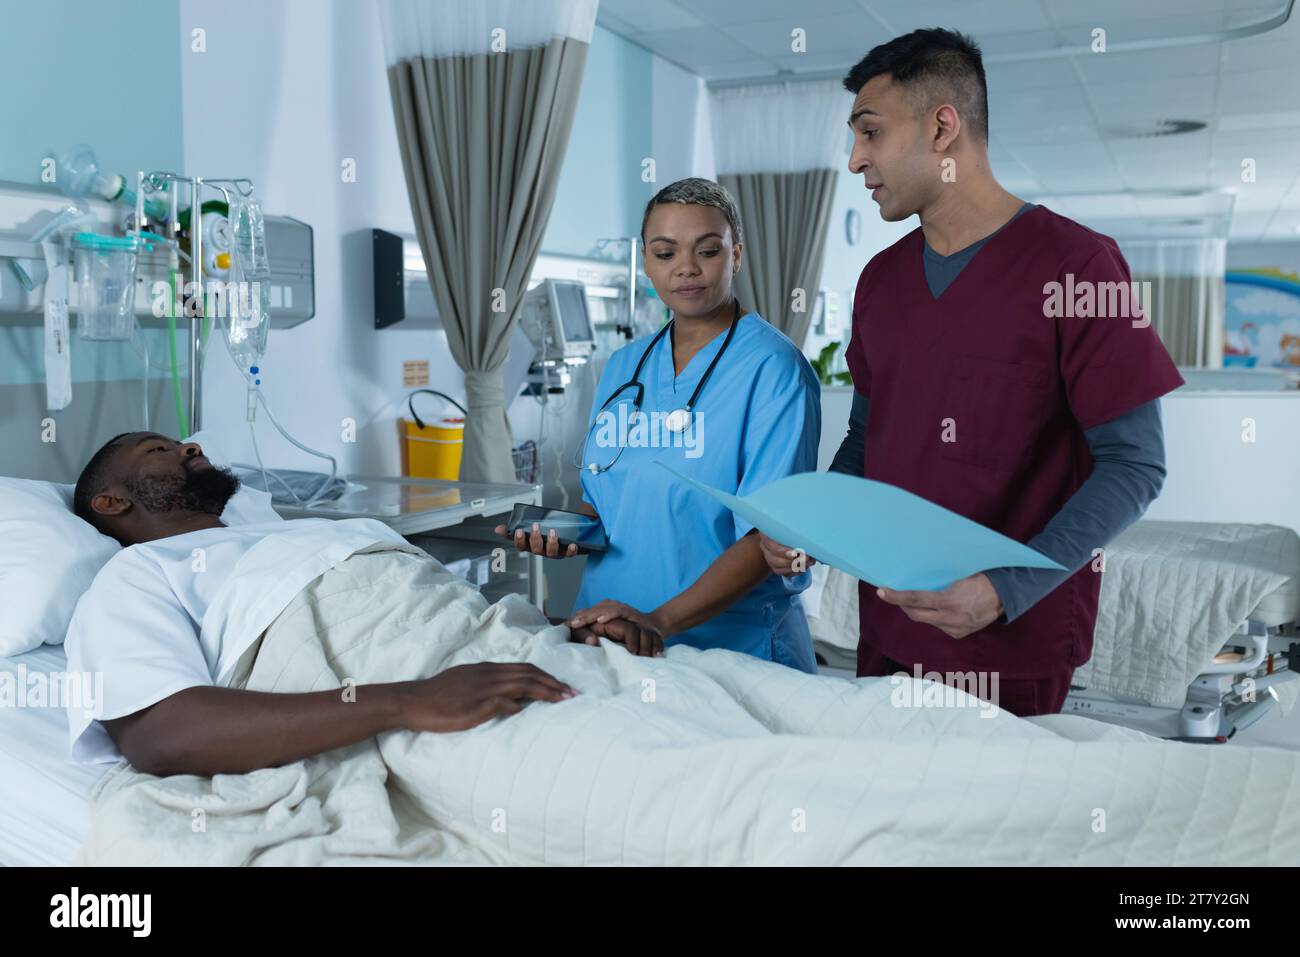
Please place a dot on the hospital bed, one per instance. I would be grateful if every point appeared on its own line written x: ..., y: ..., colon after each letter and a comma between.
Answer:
x: 1196, y: 638
x: 1198, y: 576
x: 1197, y: 631
x: 44, y: 795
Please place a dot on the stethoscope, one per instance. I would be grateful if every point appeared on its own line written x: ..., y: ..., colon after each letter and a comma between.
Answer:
x: 676, y: 421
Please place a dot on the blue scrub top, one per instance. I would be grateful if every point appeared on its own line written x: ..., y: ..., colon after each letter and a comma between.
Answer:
x: 757, y: 420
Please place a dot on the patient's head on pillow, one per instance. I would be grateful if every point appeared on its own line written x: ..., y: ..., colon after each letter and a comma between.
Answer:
x: 141, y: 486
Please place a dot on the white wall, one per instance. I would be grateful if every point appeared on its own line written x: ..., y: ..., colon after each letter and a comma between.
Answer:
x: 1272, y: 255
x: 1215, y: 475
x: 677, y: 119
x: 844, y: 263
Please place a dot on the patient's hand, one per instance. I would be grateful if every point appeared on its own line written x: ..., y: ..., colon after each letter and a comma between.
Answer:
x: 468, y: 695
x: 640, y: 633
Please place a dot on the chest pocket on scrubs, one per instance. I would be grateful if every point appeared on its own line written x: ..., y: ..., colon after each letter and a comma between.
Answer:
x: 998, y: 408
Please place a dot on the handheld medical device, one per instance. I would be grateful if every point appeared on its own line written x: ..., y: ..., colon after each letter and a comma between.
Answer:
x: 572, y: 528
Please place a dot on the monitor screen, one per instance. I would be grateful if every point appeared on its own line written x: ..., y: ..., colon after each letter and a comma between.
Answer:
x: 571, y: 301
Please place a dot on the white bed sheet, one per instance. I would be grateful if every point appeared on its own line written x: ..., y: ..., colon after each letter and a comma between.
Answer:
x: 44, y: 807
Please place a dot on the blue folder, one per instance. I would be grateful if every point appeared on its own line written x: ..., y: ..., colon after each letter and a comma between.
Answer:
x: 876, y: 532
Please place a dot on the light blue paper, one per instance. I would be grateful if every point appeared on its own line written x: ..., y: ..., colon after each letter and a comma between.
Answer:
x: 876, y: 532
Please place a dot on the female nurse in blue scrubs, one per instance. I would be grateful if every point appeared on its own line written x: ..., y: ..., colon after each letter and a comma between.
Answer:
x: 721, y: 396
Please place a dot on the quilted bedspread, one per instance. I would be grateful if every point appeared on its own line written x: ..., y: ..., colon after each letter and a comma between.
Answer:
x: 1172, y: 594
x: 695, y: 758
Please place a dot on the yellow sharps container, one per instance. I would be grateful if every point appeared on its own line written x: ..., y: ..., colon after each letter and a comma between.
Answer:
x: 431, y: 449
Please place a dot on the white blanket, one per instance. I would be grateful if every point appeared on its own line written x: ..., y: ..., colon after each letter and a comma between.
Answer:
x: 696, y: 758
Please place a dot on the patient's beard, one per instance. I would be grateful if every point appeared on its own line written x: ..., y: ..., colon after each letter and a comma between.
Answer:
x: 206, y: 490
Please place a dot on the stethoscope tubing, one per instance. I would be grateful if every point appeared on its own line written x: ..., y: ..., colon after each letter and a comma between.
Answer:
x: 635, y: 384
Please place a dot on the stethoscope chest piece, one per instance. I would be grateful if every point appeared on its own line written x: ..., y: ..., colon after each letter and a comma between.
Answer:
x: 678, y: 421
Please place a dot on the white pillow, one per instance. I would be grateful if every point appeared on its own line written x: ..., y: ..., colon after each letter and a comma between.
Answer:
x: 49, y: 557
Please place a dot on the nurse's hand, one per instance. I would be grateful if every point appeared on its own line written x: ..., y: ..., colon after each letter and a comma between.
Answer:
x: 961, y: 609
x: 547, y: 546
x: 782, y: 559
x: 640, y: 633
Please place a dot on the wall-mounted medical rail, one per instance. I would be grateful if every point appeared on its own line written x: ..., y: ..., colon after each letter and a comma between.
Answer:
x: 24, y: 208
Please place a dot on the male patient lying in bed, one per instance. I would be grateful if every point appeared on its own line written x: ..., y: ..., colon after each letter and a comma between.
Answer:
x: 140, y: 625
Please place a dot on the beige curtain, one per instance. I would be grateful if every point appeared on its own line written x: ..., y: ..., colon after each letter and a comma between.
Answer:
x: 1187, y: 312
x: 1186, y: 294
x: 482, y: 138
x: 786, y: 217
x: 778, y: 146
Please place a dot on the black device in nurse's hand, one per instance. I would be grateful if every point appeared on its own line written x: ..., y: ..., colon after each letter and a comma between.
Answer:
x: 572, y: 528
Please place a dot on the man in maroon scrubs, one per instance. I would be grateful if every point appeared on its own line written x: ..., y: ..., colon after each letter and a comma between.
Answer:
x: 1002, y: 369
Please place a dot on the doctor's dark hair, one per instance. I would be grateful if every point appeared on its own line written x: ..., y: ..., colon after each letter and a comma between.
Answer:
x: 697, y: 192
x: 94, y: 477
x: 934, y: 66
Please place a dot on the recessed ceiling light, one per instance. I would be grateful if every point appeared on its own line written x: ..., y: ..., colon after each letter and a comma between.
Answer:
x: 1158, y: 128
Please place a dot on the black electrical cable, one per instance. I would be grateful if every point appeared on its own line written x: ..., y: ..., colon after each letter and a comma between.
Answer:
x: 410, y: 404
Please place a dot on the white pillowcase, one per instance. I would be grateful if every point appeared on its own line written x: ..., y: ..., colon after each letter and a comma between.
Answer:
x: 49, y: 557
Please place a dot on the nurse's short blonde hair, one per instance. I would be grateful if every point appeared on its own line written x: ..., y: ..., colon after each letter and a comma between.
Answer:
x: 697, y: 192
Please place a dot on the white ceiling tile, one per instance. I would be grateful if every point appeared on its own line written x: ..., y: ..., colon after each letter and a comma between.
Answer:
x: 1151, y: 95
x: 1178, y: 22
x: 836, y: 63
x: 1082, y: 130
x: 1048, y: 115
x: 1242, y: 14
x: 853, y: 33
x: 996, y: 45
x: 649, y: 17
x: 1033, y: 74
x: 979, y: 20
x: 1104, y: 12
x: 1065, y: 154
x: 1249, y: 225
x: 1260, y: 90
x: 1254, y: 201
x: 1038, y: 106
x: 745, y: 69
x: 1115, y: 67
x: 1265, y: 52
x: 1242, y: 142
x: 728, y: 12
x: 696, y: 47
x: 1163, y: 149
x: 1289, y: 122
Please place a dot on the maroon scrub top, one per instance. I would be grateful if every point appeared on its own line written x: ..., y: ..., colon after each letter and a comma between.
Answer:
x: 979, y: 402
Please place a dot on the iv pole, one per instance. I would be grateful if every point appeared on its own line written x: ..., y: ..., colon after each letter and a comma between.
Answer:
x: 155, y: 181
